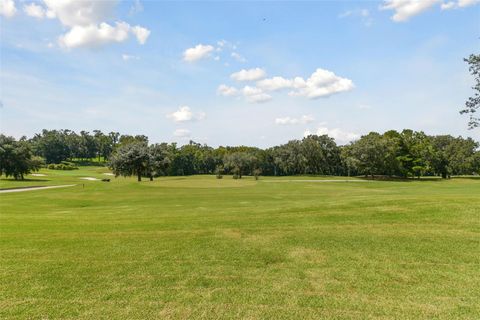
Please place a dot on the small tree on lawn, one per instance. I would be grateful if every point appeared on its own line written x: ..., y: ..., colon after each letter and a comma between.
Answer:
x: 131, y: 159
x: 16, y: 159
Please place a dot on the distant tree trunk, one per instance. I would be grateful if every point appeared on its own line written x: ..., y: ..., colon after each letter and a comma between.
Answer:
x: 139, y: 177
x: 444, y: 175
x: 151, y: 178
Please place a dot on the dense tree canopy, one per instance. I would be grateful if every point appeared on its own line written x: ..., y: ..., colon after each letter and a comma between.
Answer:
x: 396, y: 154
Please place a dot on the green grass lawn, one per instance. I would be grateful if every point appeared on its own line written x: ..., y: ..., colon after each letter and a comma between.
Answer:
x: 198, y: 247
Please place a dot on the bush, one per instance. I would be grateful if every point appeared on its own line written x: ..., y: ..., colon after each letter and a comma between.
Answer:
x: 256, y: 173
x: 219, y: 172
x: 64, y: 165
x: 236, y: 173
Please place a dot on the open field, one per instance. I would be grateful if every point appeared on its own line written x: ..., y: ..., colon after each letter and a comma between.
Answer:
x: 198, y: 247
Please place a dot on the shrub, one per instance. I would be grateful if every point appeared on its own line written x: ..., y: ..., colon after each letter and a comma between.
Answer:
x: 219, y: 172
x: 236, y: 173
x: 256, y: 173
x: 64, y: 165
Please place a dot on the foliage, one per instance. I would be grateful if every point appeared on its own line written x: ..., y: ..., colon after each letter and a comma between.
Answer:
x: 16, y: 158
x: 473, y: 103
x: 64, y: 165
x: 131, y: 159
x: 395, y: 154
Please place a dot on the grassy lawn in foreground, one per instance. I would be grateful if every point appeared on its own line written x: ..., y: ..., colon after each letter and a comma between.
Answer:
x: 198, y: 247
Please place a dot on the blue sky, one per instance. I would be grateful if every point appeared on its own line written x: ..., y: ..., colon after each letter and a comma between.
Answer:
x: 173, y: 70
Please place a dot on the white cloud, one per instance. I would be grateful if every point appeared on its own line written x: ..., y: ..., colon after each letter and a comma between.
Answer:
x: 255, y: 95
x: 182, y: 133
x: 86, y: 22
x: 275, y: 83
x: 322, y: 83
x: 184, y: 114
x: 136, y: 7
x: 226, y: 91
x: 467, y: 3
x: 292, y: 121
x: 459, y: 4
x: 127, y: 57
x: 141, y: 34
x: 34, y: 10
x: 363, y: 14
x: 448, y: 5
x: 248, y: 75
x: 340, y: 136
x: 94, y: 36
x: 238, y: 57
x: 7, y: 8
x: 405, y: 9
x: 198, y: 52
x: 86, y: 12
x: 359, y: 12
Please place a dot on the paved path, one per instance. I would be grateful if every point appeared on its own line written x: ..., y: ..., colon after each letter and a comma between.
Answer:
x: 22, y: 189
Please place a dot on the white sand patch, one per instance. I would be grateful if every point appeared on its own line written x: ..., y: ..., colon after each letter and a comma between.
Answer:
x: 109, y: 174
x: 38, y: 175
x: 89, y: 178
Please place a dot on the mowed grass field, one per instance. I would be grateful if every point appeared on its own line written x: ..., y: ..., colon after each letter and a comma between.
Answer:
x: 202, y: 248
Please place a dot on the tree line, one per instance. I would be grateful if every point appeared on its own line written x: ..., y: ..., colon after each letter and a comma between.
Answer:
x: 394, y: 154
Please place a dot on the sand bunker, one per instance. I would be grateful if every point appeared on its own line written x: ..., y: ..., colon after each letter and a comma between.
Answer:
x: 109, y: 174
x: 90, y: 178
x: 38, y: 175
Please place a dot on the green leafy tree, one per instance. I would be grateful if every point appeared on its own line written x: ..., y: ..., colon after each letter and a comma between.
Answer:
x: 132, y: 159
x: 16, y: 158
x: 473, y: 103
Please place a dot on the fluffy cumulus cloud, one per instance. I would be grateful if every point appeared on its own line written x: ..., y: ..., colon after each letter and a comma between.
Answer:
x: 405, y: 9
x: 275, y: 83
x: 184, y: 114
x: 293, y: 121
x: 248, y: 75
x: 198, y: 52
x: 182, y: 133
x: 86, y: 24
x: 322, y: 83
x: 94, y: 36
x: 7, y: 8
x: 226, y: 91
x: 37, y: 11
x: 340, y: 136
x: 255, y: 95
